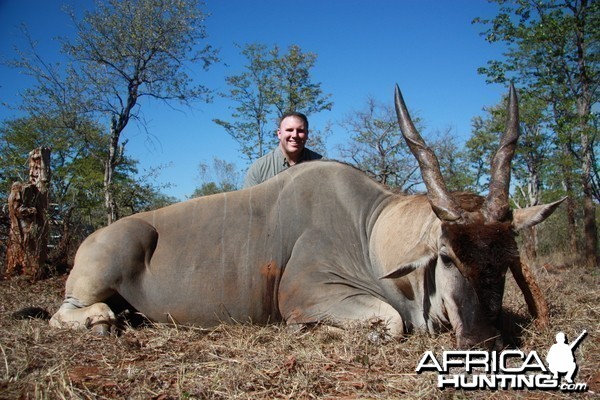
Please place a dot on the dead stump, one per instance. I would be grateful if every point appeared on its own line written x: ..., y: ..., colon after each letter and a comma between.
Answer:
x: 27, y: 251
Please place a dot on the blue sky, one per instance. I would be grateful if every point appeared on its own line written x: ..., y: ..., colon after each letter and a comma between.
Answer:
x: 430, y: 48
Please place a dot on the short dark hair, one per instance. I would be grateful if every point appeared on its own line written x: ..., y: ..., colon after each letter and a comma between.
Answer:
x: 295, y: 114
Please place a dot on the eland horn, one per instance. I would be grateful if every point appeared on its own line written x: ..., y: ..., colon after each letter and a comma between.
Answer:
x: 444, y: 207
x: 497, y: 206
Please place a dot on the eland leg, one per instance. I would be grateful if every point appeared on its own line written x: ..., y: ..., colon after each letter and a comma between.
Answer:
x: 105, y: 260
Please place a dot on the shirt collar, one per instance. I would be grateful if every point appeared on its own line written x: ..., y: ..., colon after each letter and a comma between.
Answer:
x: 282, y: 160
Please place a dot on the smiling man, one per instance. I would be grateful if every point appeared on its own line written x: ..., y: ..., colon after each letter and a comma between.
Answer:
x: 292, y: 134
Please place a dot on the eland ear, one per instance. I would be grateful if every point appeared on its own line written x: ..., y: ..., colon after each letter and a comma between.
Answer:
x: 530, y: 216
x: 418, y: 257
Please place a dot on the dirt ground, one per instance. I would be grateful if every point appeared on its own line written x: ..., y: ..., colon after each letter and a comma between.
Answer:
x: 260, y: 362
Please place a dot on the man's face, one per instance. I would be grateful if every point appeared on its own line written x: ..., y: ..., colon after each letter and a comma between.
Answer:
x: 292, y: 135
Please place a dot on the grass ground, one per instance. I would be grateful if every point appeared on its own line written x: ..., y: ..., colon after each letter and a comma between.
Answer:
x: 240, y: 362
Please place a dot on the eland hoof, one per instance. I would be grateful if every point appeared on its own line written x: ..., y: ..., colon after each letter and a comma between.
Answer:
x: 101, y: 329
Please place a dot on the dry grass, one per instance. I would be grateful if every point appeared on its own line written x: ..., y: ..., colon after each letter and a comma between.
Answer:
x: 240, y: 362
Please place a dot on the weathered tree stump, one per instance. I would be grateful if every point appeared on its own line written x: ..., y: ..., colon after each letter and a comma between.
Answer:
x: 28, y: 208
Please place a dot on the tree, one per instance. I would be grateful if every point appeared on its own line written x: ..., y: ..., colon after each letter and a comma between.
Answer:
x: 272, y: 84
x: 250, y: 90
x: 533, y: 154
x: 553, y: 52
x: 76, y: 184
x: 29, y: 226
x: 294, y: 89
x: 124, y: 51
x: 376, y: 146
x: 76, y: 191
x: 480, y: 149
x: 221, y: 176
x: 142, y: 193
x: 454, y: 163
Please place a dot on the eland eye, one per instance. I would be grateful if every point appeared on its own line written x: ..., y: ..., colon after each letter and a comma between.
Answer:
x: 446, y: 259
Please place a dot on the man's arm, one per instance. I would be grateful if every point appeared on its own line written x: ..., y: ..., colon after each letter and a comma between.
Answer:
x: 252, y: 178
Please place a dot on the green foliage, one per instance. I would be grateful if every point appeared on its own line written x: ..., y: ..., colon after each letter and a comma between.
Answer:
x: 250, y: 90
x: 542, y: 39
x: 221, y: 176
x: 138, y: 192
x: 271, y: 84
x: 553, y: 52
x: 206, y: 190
x: 77, y: 175
x: 124, y: 51
x: 294, y: 90
x: 127, y: 50
x: 536, y: 153
x: 74, y: 169
x: 480, y: 149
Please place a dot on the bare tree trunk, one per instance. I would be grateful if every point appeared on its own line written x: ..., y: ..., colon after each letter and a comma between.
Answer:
x: 59, y: 255
x: 590, y: 229
x: 584, y: 111
x: 571, y: 207
x: 109, y: 200
x: 115, y: 157
x: 532, y: 196
x: 28, y: 205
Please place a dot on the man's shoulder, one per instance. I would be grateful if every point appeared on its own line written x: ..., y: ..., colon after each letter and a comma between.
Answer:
x: 311, y: 155
x: 259, y: 169
x: 271, y: 157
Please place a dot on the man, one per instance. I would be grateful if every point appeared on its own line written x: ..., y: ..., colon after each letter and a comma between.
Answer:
x: 292, y: 134
x: 560, y: 357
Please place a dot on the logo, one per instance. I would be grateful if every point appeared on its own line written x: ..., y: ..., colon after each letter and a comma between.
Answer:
x: 509, y: 369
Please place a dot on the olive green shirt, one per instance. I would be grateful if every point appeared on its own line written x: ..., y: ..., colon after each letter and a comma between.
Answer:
x: 273, y: 163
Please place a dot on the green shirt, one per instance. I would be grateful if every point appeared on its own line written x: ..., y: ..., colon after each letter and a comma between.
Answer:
x: 273, y: 163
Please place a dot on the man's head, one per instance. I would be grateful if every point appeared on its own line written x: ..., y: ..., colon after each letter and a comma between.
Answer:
x: 292, y: 134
